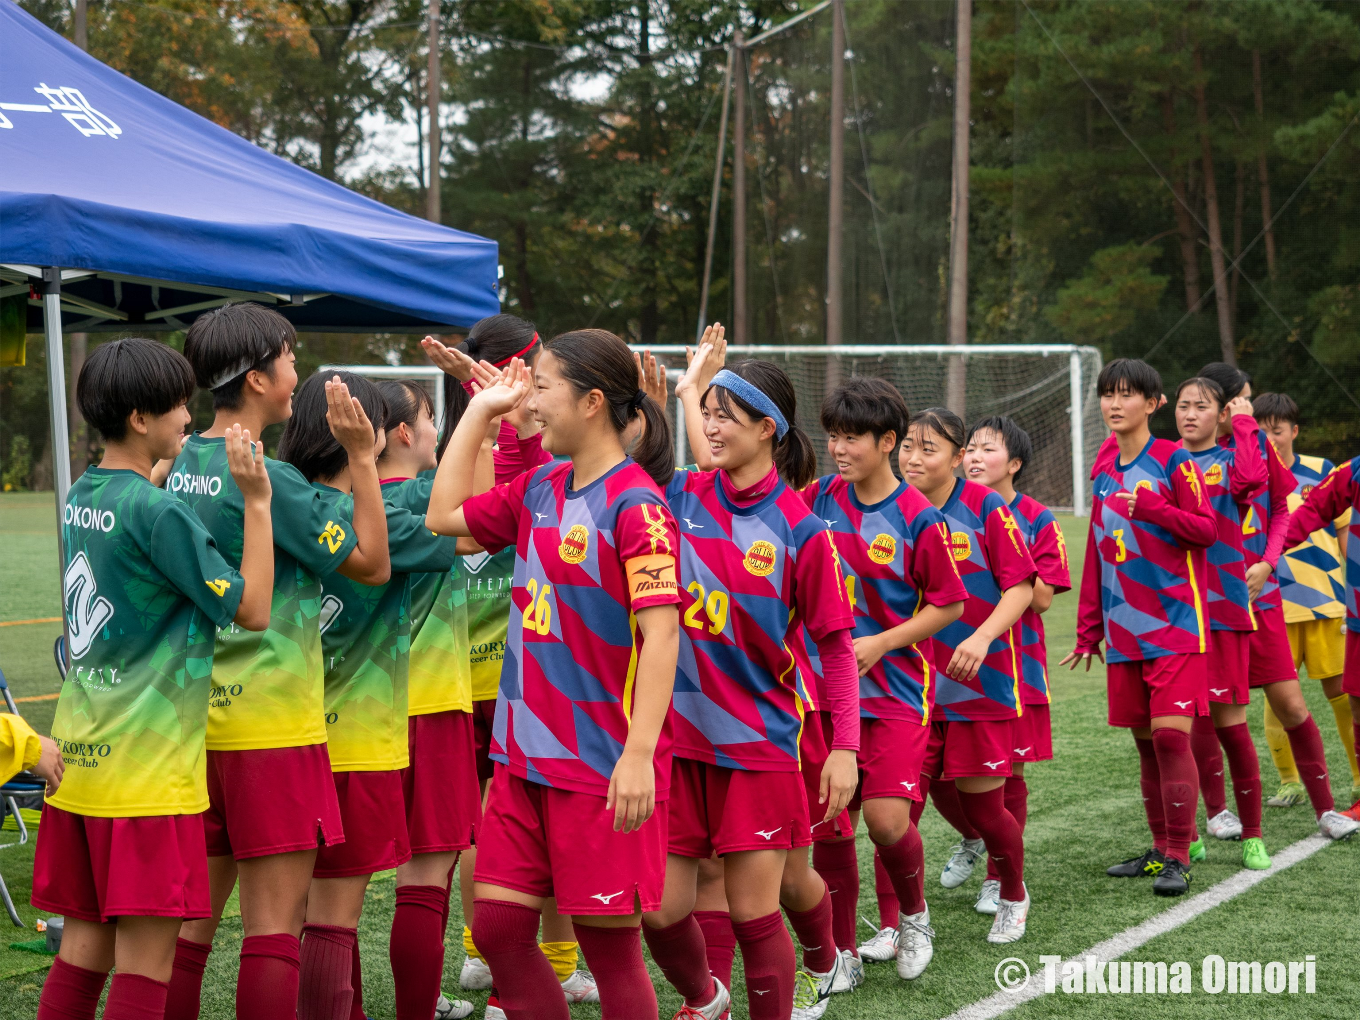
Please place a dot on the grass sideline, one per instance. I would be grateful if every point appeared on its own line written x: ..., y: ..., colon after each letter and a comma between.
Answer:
x: 1084, y: 813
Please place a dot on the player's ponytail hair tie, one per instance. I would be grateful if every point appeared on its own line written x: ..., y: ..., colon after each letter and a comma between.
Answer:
x: 636, y: 402
x: 755, y: 397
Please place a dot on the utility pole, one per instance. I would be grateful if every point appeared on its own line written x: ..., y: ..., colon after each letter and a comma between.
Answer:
x: 836, y: 178
x: 956, y: 393
x: 715, y: 198
x: 739, y: 332
x: 432, y: 205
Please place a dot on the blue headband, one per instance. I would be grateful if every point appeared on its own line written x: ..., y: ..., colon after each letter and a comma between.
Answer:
x: 754, y: 396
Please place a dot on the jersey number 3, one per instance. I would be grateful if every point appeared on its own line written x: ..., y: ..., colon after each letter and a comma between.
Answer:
x: 86, y: 610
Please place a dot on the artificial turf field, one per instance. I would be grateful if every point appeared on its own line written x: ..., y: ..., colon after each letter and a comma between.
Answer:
x: 1084, y: 813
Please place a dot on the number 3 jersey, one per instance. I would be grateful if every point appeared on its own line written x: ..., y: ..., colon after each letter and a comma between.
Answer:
x: 895, y: 560
x: 752, y: 575
x: 1143, y: 586
x: 145, y: 591
x: 586, y: 560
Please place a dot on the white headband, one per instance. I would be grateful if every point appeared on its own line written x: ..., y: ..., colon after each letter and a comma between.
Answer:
x: 226, y: 376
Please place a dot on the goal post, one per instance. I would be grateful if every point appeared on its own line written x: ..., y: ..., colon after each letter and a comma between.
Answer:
x: 1049, y: 389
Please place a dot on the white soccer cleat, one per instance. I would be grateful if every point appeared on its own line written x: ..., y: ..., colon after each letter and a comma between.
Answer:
x: 851, y: 975
x: 988, y: 897
x: 812, y: 991
x: 915, y: 944
x: 493, y: 1011
x: 475, y: 975
x: 1335, y: 825
x: 1225, y: 825
x: 452, y: 1009
x: 1011, y: 916
x: 580, y: 986
x: 715, y: 1008
x: 962, y: 859
x: 881, y: 948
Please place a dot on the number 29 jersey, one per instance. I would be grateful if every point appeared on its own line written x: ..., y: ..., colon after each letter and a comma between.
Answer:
x: 752, y: 575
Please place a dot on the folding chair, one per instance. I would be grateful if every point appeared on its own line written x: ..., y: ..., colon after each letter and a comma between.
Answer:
x: 24, y: 786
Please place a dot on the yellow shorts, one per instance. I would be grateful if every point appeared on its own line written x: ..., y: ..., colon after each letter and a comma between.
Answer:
x: 1318, y: 645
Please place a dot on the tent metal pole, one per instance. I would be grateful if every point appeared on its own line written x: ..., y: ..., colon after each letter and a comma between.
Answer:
x: 714, y: 199
x: 56, y: 404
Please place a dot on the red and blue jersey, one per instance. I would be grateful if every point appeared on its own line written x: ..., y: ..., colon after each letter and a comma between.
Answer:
x: 1264, y: 517
x: 1048, y: 549
x: 1233, y: 477
x: 1143, y: 585
x: 894, y: 558
x: 990, y: 553
x: 585, y: 561
x: 1330, y: 499
x: 753, y: 576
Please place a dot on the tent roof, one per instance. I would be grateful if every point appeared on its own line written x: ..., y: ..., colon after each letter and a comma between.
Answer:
x: 170, y: 213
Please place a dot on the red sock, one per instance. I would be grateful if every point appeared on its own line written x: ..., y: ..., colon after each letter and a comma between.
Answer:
x: 1150, y: 779
x: 918, y: 807
x: 325, y: 968
x: 1016, y: 795
x: 356, y: 982
x: 946, y: 798
x: 135, y: 997
x: 904, y: 863
x: 1306, y: 743
x: 416, y: 949
x: 70, y: 992
x: 679, y: 951
x: 1176, y: 764
x: 186, y: 980
x: 889, y: 906
x: 720, y: 942
x: 1208, y: 755
x: 767, y: 958
x: 813, y: 928
x: 838, y: 864
x: 267, y: 987
x: 507, y: 936
x: 614, y: 956
x: 1245, y: 767
x: 988, y: 815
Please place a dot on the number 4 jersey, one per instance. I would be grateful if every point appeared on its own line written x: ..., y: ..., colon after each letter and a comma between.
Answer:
x: 145, y: 591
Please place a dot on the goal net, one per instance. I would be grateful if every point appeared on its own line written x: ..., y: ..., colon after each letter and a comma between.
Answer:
x: 1049, y: 390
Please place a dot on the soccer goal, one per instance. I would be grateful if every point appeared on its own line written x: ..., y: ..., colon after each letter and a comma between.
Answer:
x: 1049, y: 389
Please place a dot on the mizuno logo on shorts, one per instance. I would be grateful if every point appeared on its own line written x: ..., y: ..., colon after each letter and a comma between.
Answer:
x: 767, y: 835
x: 605, y: 898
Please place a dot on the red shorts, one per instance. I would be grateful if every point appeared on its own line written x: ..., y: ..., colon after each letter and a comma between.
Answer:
x: 1170, y: 685
x: 375, y: 831
x: 813, y: 748
x: 725, y: 811
x: 890, y: 755
x: 956, y: 749
x: 1032, y: 735
x: 443, y: 797
x: 1272, y: 660
x: 483, y: 715
x: 271, y: 800
x: 1228, y: 661
x: 98, y: 869
x: 547, y: 842
x: 1350, y: 676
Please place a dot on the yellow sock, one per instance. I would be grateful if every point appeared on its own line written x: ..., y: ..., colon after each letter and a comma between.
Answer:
x: 1341, y: 708
x: 1278, y: 741
x: 468, y: 946
x: 562, y: 956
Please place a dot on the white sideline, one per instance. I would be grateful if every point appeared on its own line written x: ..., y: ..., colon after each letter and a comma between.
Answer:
x: 1140, y: 934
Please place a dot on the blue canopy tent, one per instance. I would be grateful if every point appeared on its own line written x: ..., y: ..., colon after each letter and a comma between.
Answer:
x: 128, y: 212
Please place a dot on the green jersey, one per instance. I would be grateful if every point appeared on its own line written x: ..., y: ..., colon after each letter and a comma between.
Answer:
x: 366, y: 641
x: 490, y: 579
x: 440, y: 680
x: 145, y: 590
x: 268, y: 685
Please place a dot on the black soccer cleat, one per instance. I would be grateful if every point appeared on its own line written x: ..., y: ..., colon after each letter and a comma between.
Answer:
x: 1173, y: 880
x: 1149, y: 865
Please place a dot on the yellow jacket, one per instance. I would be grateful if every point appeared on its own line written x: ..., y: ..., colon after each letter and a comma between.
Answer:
x: 19, y: 746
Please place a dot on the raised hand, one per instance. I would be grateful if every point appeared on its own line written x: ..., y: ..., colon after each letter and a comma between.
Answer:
x: 349, y: 424
x: 246, y: 463
x: 697, y: 376
x: 1240, y: 405
x: 453, y: 361
x: 651, y: 377
x: 506, y: 392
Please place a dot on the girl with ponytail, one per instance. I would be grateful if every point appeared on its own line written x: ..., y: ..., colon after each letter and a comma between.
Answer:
x: 581, y: 741
x: 756, y: 561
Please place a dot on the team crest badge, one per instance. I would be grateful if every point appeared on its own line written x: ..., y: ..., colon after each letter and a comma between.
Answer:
x: 1306, y: 490
x: 760, y: 558
x: 1143, y: 483
x: 1214, y: 474
x: 883, y: 549
x: 960, y: 545
x: 574, y: 544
